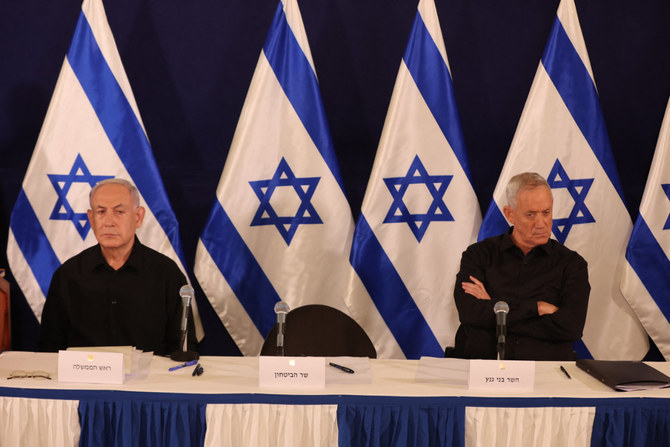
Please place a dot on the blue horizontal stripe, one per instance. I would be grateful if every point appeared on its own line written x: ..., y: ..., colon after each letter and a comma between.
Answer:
x: 33, y: 242
x: 494, y: 222
x: 651, y: 264
x: 121, y: 126
x: 240, y: 269
x: 298, y: 80
x: 335, y: 399
x: 387, y: 290
x: 575, y: 86
x: 432, y: 77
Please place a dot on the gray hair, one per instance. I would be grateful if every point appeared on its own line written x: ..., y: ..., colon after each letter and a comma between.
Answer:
x: 134, y: 193
x: 525, y: 180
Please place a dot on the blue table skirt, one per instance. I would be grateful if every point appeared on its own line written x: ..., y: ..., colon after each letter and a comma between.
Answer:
x: 124, y: 418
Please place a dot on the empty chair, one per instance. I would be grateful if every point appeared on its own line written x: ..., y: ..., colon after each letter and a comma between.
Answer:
x: 320, y: 331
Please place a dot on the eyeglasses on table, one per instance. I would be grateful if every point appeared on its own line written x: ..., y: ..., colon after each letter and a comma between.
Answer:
x: 18, y: 374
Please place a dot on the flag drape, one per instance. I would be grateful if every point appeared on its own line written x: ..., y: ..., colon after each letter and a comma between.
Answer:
x: 646, y: 278
x: 420, y: 210
x: 281, y: 226
x: 562, y: 136
x: 92, y: 131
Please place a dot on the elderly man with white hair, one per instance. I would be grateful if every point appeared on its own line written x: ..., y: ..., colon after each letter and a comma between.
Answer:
x: 118, y: 292
x: 544, y: 283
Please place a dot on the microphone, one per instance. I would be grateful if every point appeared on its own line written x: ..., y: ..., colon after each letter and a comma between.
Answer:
x: 501, y: 309
x: 183, y: 354
x: 281, y: 309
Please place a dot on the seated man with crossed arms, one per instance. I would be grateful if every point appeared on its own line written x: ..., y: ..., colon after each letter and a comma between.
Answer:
x: 544, y: 283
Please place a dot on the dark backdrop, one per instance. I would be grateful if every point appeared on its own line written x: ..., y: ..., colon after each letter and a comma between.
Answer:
x: 190, y: 64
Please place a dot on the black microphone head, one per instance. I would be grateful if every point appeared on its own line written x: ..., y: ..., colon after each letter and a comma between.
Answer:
x: 281, y: 308
x: 186, y: 291
x: 501, y: 306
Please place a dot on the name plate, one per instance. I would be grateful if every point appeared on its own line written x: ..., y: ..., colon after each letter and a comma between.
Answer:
x: 90, y: 367
x: 291, y: 372
x: 502, y: 375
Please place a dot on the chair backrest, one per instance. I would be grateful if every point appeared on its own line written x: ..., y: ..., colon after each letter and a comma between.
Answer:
x: 321, y: 331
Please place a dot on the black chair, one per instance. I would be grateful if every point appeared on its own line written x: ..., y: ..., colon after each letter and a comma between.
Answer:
x: 320, y: 331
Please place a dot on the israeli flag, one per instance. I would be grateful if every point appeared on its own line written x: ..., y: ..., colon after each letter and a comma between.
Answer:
x: 420, y: 211
x: 92, y: 131
x: 561, y: 135
x: 281, y: 226
x: 646, y: 278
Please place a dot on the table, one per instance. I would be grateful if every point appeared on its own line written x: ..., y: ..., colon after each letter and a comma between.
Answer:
x: 225, y: 406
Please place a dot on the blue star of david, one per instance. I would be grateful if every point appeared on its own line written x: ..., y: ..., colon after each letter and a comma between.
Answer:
x: 304, y: 188
x: 79, y: 173
x: 666, y: 188
x: 437, y: 211
x: 578, y: 190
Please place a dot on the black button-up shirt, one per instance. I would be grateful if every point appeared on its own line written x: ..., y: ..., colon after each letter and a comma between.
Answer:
x: 91, y: 304
x: 550, y: 272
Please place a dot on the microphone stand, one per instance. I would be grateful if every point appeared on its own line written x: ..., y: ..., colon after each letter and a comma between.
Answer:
x: 501, y: 346
x: 501, y: 309
x: 183, y: 354
x: 281, y: 309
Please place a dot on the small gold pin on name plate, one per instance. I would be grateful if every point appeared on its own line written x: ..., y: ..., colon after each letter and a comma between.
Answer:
x: 90, y: 357
x: 502, y: 365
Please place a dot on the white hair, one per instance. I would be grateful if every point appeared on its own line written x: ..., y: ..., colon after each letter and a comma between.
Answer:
x: 134, y: 193
x: 525, y: 180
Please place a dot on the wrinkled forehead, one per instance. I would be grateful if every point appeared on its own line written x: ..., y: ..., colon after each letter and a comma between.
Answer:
x: 539, y: 197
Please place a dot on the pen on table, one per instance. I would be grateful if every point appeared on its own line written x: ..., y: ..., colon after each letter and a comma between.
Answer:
x: 565, y: 371
x: 198, y: 370
x: 183, y: 365
x: 341, y: 368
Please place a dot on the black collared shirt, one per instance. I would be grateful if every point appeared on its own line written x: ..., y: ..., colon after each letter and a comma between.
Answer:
x: 91, y: 304
x: 550, y: 272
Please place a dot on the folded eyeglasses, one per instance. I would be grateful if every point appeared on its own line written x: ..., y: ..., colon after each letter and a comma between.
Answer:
x: 29, y: 375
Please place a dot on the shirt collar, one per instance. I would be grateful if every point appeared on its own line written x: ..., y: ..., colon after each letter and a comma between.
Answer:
x: 133, y: 260
x: 507, y: 243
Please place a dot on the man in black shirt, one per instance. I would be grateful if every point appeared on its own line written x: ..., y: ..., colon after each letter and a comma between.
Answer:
x: 545, y: 283
x: 119, y: 292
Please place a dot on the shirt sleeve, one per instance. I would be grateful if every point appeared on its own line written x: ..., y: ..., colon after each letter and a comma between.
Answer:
x: 471, y: 310
x: 52, y: 333
x: 567, y: 323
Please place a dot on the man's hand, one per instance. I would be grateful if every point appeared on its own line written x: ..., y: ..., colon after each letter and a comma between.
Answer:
x: 544, y: 308
x: 476, y: 289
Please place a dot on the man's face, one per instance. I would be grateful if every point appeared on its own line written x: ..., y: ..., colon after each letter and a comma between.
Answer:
x: 532, y: 217
x: 114, y: 217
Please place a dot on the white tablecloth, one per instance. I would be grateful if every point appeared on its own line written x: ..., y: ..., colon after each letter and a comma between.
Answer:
x: 238, y: 412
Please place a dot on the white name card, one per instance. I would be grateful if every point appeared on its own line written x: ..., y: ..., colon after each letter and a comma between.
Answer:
x: 90, y: 367
x: 291, y: 372
x: 502, y: 375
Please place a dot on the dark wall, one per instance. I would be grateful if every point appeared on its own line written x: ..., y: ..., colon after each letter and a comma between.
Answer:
x: 190, y: 64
